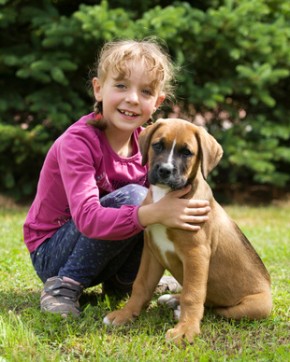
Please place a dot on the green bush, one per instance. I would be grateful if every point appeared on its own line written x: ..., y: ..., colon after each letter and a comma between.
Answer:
x: 234, y: 63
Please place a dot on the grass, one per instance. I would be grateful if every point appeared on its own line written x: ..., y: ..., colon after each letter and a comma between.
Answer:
x: 26, y: 334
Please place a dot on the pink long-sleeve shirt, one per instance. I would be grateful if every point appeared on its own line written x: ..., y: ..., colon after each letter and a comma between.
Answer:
x: 79, y: 168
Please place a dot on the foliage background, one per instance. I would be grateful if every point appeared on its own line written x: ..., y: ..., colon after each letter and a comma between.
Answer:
x: 234, y: 62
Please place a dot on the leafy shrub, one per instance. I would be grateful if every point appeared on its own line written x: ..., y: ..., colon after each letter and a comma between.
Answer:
x: 234, y: 66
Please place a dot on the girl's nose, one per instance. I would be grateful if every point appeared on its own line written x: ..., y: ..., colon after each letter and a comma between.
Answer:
x: 132, y: 96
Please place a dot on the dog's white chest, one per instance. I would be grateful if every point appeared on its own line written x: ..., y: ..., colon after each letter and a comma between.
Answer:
x: 160, y: 239
x: 158, y: 232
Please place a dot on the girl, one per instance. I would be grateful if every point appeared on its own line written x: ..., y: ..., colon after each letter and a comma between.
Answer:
x: 85, y: 225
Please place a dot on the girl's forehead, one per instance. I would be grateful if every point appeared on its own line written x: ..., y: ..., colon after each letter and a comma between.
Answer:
x: 134, y: 70
x: 126, y: 68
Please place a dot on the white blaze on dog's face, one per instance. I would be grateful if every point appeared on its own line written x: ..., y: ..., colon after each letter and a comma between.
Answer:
x: 174, y: 149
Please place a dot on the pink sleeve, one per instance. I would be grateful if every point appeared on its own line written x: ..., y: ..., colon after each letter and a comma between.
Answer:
x: 77, y: 159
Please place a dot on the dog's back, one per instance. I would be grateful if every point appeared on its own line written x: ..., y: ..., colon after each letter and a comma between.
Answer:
x: 234, y: 262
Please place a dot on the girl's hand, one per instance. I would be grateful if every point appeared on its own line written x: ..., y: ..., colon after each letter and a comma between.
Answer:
x: 173, y: 211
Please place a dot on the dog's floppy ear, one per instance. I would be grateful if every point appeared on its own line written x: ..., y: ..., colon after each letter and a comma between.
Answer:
x: 211, y: 151
x: 145, y: 139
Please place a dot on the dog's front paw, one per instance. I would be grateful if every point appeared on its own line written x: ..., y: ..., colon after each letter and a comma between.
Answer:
x: 183, y: 333
x: 118, y: 318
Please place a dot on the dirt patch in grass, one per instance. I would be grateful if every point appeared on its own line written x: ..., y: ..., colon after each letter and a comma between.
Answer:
x: 9, y: 203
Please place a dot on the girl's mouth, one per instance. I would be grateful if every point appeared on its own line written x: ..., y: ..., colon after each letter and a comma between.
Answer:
x: 128, y: 113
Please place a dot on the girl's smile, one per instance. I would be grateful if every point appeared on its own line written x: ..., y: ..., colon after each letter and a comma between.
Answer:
x: 128, y: 113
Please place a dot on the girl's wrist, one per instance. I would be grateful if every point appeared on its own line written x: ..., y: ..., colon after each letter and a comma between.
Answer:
x: 146, y: 215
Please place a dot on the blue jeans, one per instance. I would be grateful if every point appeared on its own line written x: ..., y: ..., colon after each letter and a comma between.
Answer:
x: 89, y: 261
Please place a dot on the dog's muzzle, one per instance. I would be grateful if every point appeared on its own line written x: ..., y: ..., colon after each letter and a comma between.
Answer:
x: 168, y: 175
x: 165, y: 171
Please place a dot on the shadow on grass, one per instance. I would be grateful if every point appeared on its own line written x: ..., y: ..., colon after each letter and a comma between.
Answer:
x: 21, y: 301
x: 26, y: 304
x: 18, y: 301
x: 22, y: 309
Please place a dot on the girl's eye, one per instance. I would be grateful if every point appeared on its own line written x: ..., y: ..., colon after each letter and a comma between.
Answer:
x: 148, y: 92
x: 120, y: 85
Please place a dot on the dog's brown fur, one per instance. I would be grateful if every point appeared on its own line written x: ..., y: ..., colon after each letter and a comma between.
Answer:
x: 217, y: 266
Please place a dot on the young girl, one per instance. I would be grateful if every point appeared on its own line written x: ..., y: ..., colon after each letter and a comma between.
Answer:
x: 85, y: 225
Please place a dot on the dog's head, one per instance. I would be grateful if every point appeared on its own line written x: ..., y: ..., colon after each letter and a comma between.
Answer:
x: 175, y: 149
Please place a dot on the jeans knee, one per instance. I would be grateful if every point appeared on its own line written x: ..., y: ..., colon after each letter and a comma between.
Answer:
x: 131, y: 194
x: 137, y: 193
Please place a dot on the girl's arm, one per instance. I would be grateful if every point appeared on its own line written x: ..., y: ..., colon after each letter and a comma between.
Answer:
x: 79, y: 157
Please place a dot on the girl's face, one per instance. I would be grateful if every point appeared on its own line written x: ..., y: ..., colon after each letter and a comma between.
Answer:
x: 128, y: 100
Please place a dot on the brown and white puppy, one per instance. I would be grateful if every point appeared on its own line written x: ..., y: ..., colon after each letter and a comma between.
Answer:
x: 217, y: 266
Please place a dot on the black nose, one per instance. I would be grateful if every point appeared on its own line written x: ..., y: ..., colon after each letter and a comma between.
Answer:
x: 165, y: 171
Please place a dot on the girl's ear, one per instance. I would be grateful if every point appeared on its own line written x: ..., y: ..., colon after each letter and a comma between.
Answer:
x: 159, y: 101
x: 97, y: 87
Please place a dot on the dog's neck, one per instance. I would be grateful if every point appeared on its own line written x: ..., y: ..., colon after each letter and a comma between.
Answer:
x: 200, y: 189
x: 158, y: 192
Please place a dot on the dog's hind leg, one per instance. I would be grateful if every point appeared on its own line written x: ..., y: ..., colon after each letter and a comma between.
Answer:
x: 255, y: 306
x: 170, y: 300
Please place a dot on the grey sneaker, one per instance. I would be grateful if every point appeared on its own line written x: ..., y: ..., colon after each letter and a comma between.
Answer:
x: 168, y: 284
x: 61, y: 297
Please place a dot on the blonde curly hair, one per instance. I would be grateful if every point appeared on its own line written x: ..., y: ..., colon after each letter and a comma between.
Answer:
x: 116, y: 56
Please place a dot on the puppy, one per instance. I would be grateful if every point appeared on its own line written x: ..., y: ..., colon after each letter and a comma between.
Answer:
x: 216, y: 266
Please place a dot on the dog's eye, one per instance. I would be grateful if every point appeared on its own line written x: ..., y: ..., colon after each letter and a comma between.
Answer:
x: 158, y: 147
x: 186, y: 152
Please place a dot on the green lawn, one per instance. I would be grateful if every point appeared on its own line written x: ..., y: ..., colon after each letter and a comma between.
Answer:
x: 28, y: 335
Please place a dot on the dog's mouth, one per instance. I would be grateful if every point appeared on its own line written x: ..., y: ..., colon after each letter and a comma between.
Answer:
x: 166, y: 177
